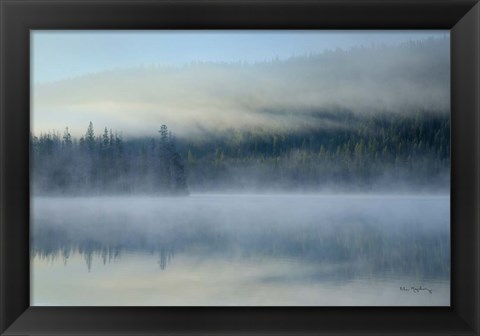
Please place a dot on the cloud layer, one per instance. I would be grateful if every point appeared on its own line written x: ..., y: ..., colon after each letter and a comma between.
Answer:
x: 409, y: 77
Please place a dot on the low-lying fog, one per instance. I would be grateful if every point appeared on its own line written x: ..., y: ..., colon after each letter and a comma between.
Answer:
x: 241, y: 250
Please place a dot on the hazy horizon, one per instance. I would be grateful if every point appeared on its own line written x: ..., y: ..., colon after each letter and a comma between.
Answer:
x: 181, y: 86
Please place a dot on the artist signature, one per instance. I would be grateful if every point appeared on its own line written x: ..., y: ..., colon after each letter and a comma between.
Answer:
x: 414, y: 289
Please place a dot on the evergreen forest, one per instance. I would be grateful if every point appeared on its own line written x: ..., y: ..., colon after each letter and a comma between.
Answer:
x: 363, y: 152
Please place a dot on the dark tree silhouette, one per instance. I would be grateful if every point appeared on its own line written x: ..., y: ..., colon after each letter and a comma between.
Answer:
x: 411, y: 150
x: 106, y: 164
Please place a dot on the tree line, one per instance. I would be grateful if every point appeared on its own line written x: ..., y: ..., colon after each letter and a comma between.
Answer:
x: 368, y: 152
x: 106, y: 164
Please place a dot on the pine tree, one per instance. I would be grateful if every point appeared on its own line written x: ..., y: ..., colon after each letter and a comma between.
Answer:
x: 112, y: 140
x: 105, y: 140
x: 90, y: 137
x: 67, y: 138
x: 163, y: 135
x: 164, y: 176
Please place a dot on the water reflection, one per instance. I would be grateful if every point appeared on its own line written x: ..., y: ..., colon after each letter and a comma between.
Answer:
x: 317, y: 239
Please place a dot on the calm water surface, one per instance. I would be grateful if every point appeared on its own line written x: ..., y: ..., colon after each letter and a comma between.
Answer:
x: 241, y: 250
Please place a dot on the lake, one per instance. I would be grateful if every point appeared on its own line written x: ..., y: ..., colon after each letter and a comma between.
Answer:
x: 241, y: 250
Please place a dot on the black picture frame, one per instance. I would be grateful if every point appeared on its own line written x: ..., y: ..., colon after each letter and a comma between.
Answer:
x: 18, y: 17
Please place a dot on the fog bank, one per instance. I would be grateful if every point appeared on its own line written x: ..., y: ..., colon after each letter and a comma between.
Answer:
x: 408, y: 77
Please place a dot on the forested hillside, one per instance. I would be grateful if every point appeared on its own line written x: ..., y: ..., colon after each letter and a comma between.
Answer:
x: 272, y: 94
x: 366, y: 152
x: 365, y: 119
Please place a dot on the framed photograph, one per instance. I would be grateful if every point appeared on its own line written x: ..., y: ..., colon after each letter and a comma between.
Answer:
x: 240, y: 168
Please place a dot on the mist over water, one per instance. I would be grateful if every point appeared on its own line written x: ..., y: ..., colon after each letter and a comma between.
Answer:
x: 321, y: 179
x: 241, y: 249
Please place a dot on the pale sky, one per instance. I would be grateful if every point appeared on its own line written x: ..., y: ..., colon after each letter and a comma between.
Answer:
x: 113, y: 79
x: 64, y: 54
